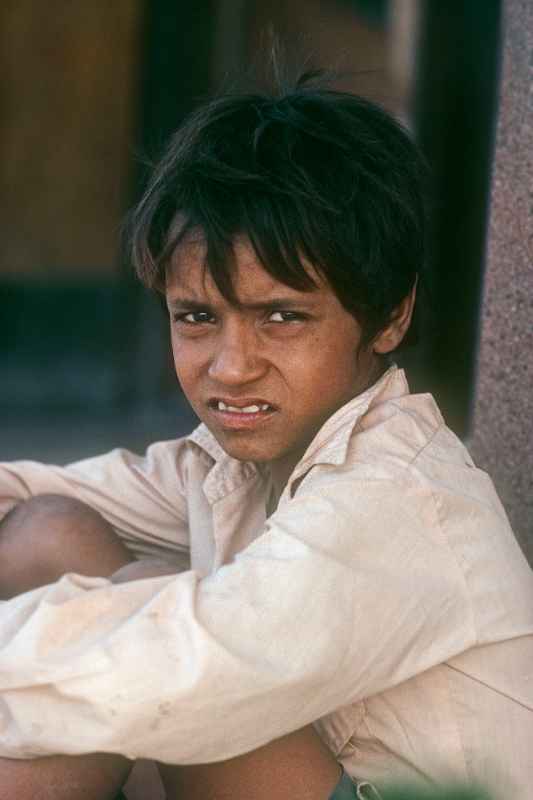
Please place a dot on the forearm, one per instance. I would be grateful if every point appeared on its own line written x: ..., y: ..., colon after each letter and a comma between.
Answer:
x: 155, y: 668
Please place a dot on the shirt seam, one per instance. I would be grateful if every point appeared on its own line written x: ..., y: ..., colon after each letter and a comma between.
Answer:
x: 458, y: 728
x: 442, y: 535
x: 460, y: 569
x: 424, y: 447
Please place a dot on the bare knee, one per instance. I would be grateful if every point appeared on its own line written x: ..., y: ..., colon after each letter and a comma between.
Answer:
x: 46, y: 536
x: 297, y: 765
x: 97, y: 776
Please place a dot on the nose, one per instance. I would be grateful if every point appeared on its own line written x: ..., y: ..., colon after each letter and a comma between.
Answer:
x: 236, y: 359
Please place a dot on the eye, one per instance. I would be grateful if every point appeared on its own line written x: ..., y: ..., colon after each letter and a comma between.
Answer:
x: 193, y: 317
x: 286, y: 316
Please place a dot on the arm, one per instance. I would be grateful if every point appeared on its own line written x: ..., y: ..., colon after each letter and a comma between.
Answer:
x: 332, y: 603
x: 143, y: 498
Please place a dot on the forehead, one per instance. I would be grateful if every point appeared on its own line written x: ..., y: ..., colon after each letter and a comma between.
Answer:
x: 188, y: 274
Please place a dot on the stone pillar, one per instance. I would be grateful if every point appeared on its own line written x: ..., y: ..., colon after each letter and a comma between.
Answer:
x: 502, y: 438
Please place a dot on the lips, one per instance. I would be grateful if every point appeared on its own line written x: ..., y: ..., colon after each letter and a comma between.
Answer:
x: 252, y: 409
x: 242, y: 413
x: 247, y: 405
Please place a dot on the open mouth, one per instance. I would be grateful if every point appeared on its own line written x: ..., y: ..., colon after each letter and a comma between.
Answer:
x: 253, y: 408
x: 245, y: 414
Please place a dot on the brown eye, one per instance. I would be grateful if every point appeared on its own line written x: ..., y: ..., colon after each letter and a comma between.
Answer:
x: 193, y: 317
x: 286, y: 316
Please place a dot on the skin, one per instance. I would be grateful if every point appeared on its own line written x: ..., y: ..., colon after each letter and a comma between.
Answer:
x: 300, y: 352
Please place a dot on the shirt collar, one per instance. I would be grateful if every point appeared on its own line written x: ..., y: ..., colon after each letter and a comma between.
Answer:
x: 330, y: 444
x: 205, y: 440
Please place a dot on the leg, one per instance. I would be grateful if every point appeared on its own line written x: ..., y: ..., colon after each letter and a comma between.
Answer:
x: 40, y: 540
x: 47, y: 536
x: 93, y: 777
x: 295, y: 767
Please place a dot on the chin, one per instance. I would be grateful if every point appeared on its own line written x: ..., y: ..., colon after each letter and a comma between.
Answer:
x: 246, y: 450
x: 247, y: 454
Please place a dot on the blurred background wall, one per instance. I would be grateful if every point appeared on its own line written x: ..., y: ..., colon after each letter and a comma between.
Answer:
x: 68, y: 88
x: 89, y: 94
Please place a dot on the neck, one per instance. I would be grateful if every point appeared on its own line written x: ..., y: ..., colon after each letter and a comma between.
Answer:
x: 281, y: 469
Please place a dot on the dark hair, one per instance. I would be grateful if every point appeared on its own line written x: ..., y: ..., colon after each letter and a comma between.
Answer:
x: 308, y: 172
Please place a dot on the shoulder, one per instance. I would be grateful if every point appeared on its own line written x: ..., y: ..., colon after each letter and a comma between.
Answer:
x: 408, y: 496
x: 402, y: 442
x: 404, y: 476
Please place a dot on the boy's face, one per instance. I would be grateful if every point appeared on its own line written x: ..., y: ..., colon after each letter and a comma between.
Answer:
x: 263, y: 376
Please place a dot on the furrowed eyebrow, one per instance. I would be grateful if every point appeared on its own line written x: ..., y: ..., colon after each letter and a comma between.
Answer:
x: 274, y: 304
x: 190, y: 305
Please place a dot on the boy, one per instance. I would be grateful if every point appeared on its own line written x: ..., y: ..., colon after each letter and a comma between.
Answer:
x: 336, y: 558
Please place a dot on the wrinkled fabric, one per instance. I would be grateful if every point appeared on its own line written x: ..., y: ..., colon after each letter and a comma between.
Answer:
x: 385, y: 598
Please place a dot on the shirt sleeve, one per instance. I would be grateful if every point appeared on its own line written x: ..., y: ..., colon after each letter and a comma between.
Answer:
x: 142, y: 497
x: 335, y: 601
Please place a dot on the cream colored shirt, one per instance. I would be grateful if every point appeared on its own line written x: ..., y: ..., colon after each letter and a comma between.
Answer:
x: 385, y: 597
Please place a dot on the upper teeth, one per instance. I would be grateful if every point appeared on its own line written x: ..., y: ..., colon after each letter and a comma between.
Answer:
x: 246, y: 410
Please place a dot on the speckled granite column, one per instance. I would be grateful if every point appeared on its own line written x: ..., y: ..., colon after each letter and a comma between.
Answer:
x: 502, y: 438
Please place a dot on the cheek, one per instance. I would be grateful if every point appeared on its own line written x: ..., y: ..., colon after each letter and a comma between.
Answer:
x: 334, y: 361
x: 323, y: 377
x: 338, y: 371
x: 185, y: 364
x: 177, y: 356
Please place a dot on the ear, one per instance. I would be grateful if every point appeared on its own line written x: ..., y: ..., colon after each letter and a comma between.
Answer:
x: 390, y: 337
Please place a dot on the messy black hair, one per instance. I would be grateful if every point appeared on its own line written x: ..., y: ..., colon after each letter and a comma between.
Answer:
x: 305, y: 173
